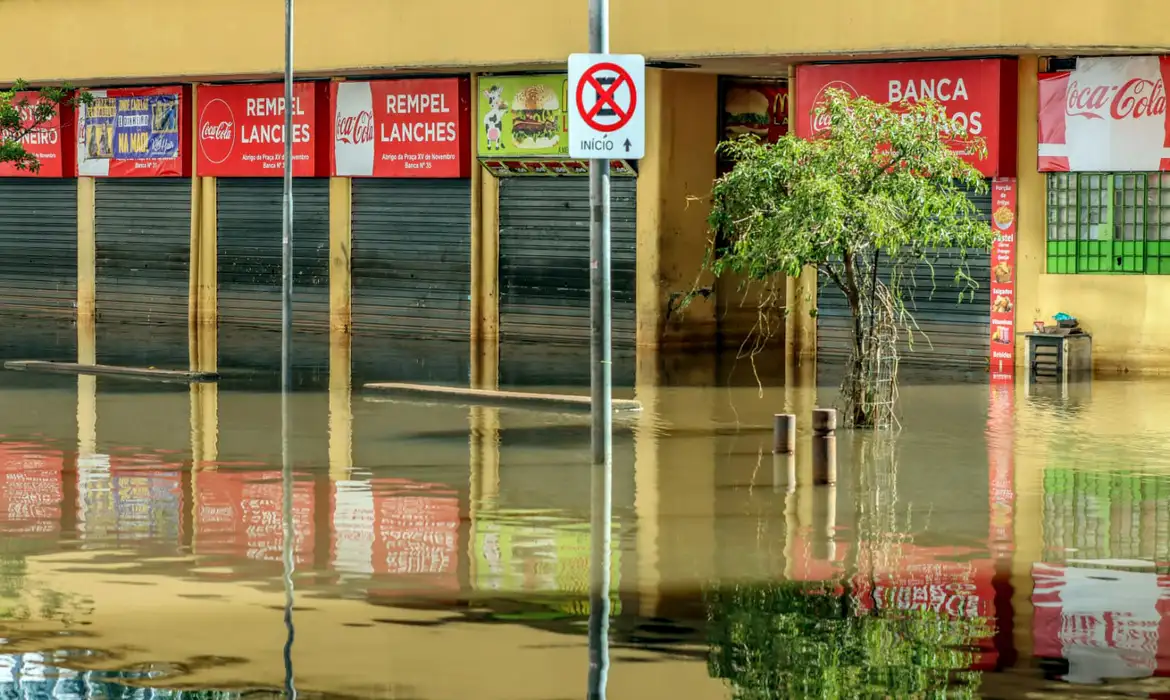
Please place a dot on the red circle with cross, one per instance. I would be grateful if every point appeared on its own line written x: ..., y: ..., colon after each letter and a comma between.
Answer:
x: 607, y: 97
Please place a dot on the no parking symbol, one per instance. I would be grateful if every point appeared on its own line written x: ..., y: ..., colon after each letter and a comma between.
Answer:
x: 606, y: 117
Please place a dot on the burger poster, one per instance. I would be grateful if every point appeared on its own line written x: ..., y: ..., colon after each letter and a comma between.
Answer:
x: 759, y: 108
x: 523, y: 115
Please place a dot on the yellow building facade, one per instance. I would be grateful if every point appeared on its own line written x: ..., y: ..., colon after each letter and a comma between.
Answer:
x: 690, y: 46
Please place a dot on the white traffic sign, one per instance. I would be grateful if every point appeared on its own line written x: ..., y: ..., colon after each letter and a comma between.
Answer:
x: 607, y: 111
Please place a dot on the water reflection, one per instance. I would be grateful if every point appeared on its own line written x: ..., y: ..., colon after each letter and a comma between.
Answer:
x: 1008, y: 542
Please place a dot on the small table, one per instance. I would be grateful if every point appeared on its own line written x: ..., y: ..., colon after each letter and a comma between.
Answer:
x: 1058, y: 355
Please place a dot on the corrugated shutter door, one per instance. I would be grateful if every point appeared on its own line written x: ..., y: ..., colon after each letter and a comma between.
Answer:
x: 544, y: 259
x: 38, y: 246
x: 143, y: 240
x: 249, y: 250
x: 952, y: 334
x: 411, y: 257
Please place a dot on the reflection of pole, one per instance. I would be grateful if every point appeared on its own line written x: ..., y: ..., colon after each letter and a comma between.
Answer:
x: 601, y: 379
x: 286, y: 475
x: 288, y: 546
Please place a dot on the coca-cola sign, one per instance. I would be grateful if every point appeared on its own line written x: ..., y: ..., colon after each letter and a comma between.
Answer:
x: 355, y: 128
x: 401, y: 128
x: 241, y: 130
x: 1109, y: 114
x: 978, y: 96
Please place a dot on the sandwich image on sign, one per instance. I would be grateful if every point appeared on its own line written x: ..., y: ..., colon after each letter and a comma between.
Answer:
x: 536, y: 112
x: 745, y: 112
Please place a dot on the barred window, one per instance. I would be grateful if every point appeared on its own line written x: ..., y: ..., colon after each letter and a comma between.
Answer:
x: 1112, y: 223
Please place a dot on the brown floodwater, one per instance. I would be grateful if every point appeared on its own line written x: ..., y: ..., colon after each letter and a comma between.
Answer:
x: 1006, y: 543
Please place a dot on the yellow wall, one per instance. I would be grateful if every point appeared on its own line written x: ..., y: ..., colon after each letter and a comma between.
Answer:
x: 200, y: 38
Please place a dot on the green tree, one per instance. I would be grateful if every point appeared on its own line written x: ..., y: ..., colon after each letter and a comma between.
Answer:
x: 21, y: 116
x: 880, y: 187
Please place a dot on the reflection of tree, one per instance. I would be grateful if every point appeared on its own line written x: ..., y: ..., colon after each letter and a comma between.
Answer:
x: 23, y: 599
x: 832, y: 639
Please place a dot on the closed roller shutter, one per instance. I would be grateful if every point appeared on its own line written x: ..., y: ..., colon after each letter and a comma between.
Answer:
x: 250, y: 242
x: 143, y: 244
x: 38, y: 246
x: 959, y: 333
x: 411, y: 257
x: 544, y: 259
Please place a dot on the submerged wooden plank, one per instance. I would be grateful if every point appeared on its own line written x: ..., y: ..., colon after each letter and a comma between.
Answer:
x: 496, y: 397
x: 171, y: 375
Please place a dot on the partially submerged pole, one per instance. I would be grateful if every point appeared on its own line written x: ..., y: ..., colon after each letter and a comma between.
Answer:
x: 824, y: 446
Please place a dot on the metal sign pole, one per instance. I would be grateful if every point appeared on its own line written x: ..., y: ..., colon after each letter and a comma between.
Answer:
x: 601, y: 390
x: 287, y: 239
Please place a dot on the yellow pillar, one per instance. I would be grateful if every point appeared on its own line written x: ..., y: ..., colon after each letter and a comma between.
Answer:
x: 340, y: 244
x: 1032, y: 199
x: 674, y: 186
x: 86, y: 250
x: 205, y: 273
x: 800, y: 325
x: 485, y: 284
x: 340, y: 406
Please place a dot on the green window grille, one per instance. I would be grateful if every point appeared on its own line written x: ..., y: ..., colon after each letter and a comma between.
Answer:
x: 1109, y: 223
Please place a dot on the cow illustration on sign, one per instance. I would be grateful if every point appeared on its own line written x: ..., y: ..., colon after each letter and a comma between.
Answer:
x: 493, y: 121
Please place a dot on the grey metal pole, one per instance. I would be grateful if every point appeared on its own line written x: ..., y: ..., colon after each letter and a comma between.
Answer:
x: 287, y: 227
x: 601, y: 391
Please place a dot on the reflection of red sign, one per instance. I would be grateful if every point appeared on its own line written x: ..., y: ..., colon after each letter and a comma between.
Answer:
x: 241, y: 130
x: 401, y: 128
x: 978, y: 94
x: 30, y: 489
x: 239, y: 514
x: 1003, y: 279
x: 51, y: 142
x: 1107, y: 624
x: 418, y: 533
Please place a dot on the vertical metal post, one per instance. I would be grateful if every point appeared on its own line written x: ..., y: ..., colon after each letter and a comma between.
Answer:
x: 288, y: 549
x: 287, y: 227
x: 601, y: 390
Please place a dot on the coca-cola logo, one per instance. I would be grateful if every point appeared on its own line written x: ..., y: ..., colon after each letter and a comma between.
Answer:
x: 1137, y: 98
x: 355, y: 128
x: 217, y: 131
x: 820, y: 122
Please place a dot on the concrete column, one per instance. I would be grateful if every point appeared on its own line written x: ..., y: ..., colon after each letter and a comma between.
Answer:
x: 485, y: 283
x: 1032, y: 196
x: 86, y: 249
x: 674, y: 187
x: 340, y: 407
x: 340, y: 245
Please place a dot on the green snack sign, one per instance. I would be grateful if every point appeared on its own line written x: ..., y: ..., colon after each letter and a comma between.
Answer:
x: 523, y: 116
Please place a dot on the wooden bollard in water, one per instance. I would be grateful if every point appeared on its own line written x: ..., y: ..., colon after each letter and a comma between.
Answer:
x: 784, y: 434
x: 824, y: 421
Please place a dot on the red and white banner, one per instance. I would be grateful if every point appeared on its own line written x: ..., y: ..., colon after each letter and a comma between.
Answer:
x: 134, y: 132
x: 401, y: 128
x: 1107, y: 115
x: 47, y: 142
x: 241, y: 130
x: 978, y: 94
x: 1003, y: 279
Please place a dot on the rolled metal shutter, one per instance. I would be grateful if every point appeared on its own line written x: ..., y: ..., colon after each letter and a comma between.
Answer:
x: 143, y: 244
x: 250, y: 239
x: 952, y: 334
x: 544, y: 259
x: 411, y: 257
x: 38, y: 246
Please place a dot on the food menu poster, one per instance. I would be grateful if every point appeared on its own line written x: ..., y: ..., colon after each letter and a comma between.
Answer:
x: 550, y: 167
x: 1003, y: 279
x: 754, y: 107
x: 522, y: 116
x: 132, y: 132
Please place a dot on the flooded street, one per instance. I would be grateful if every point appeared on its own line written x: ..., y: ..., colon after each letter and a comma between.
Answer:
x: 1005, y: 544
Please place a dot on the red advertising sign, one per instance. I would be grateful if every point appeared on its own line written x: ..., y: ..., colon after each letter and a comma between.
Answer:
x: 134, y: 132
x: 239, y: 514
x: 401, y: 128
x: 418, y: 533
x: 1003, y: 279
x: 241, y: 130
x: 30, y: 489
x: 47, y: 141
x: 979, y: 94
x: 1108, y: 115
